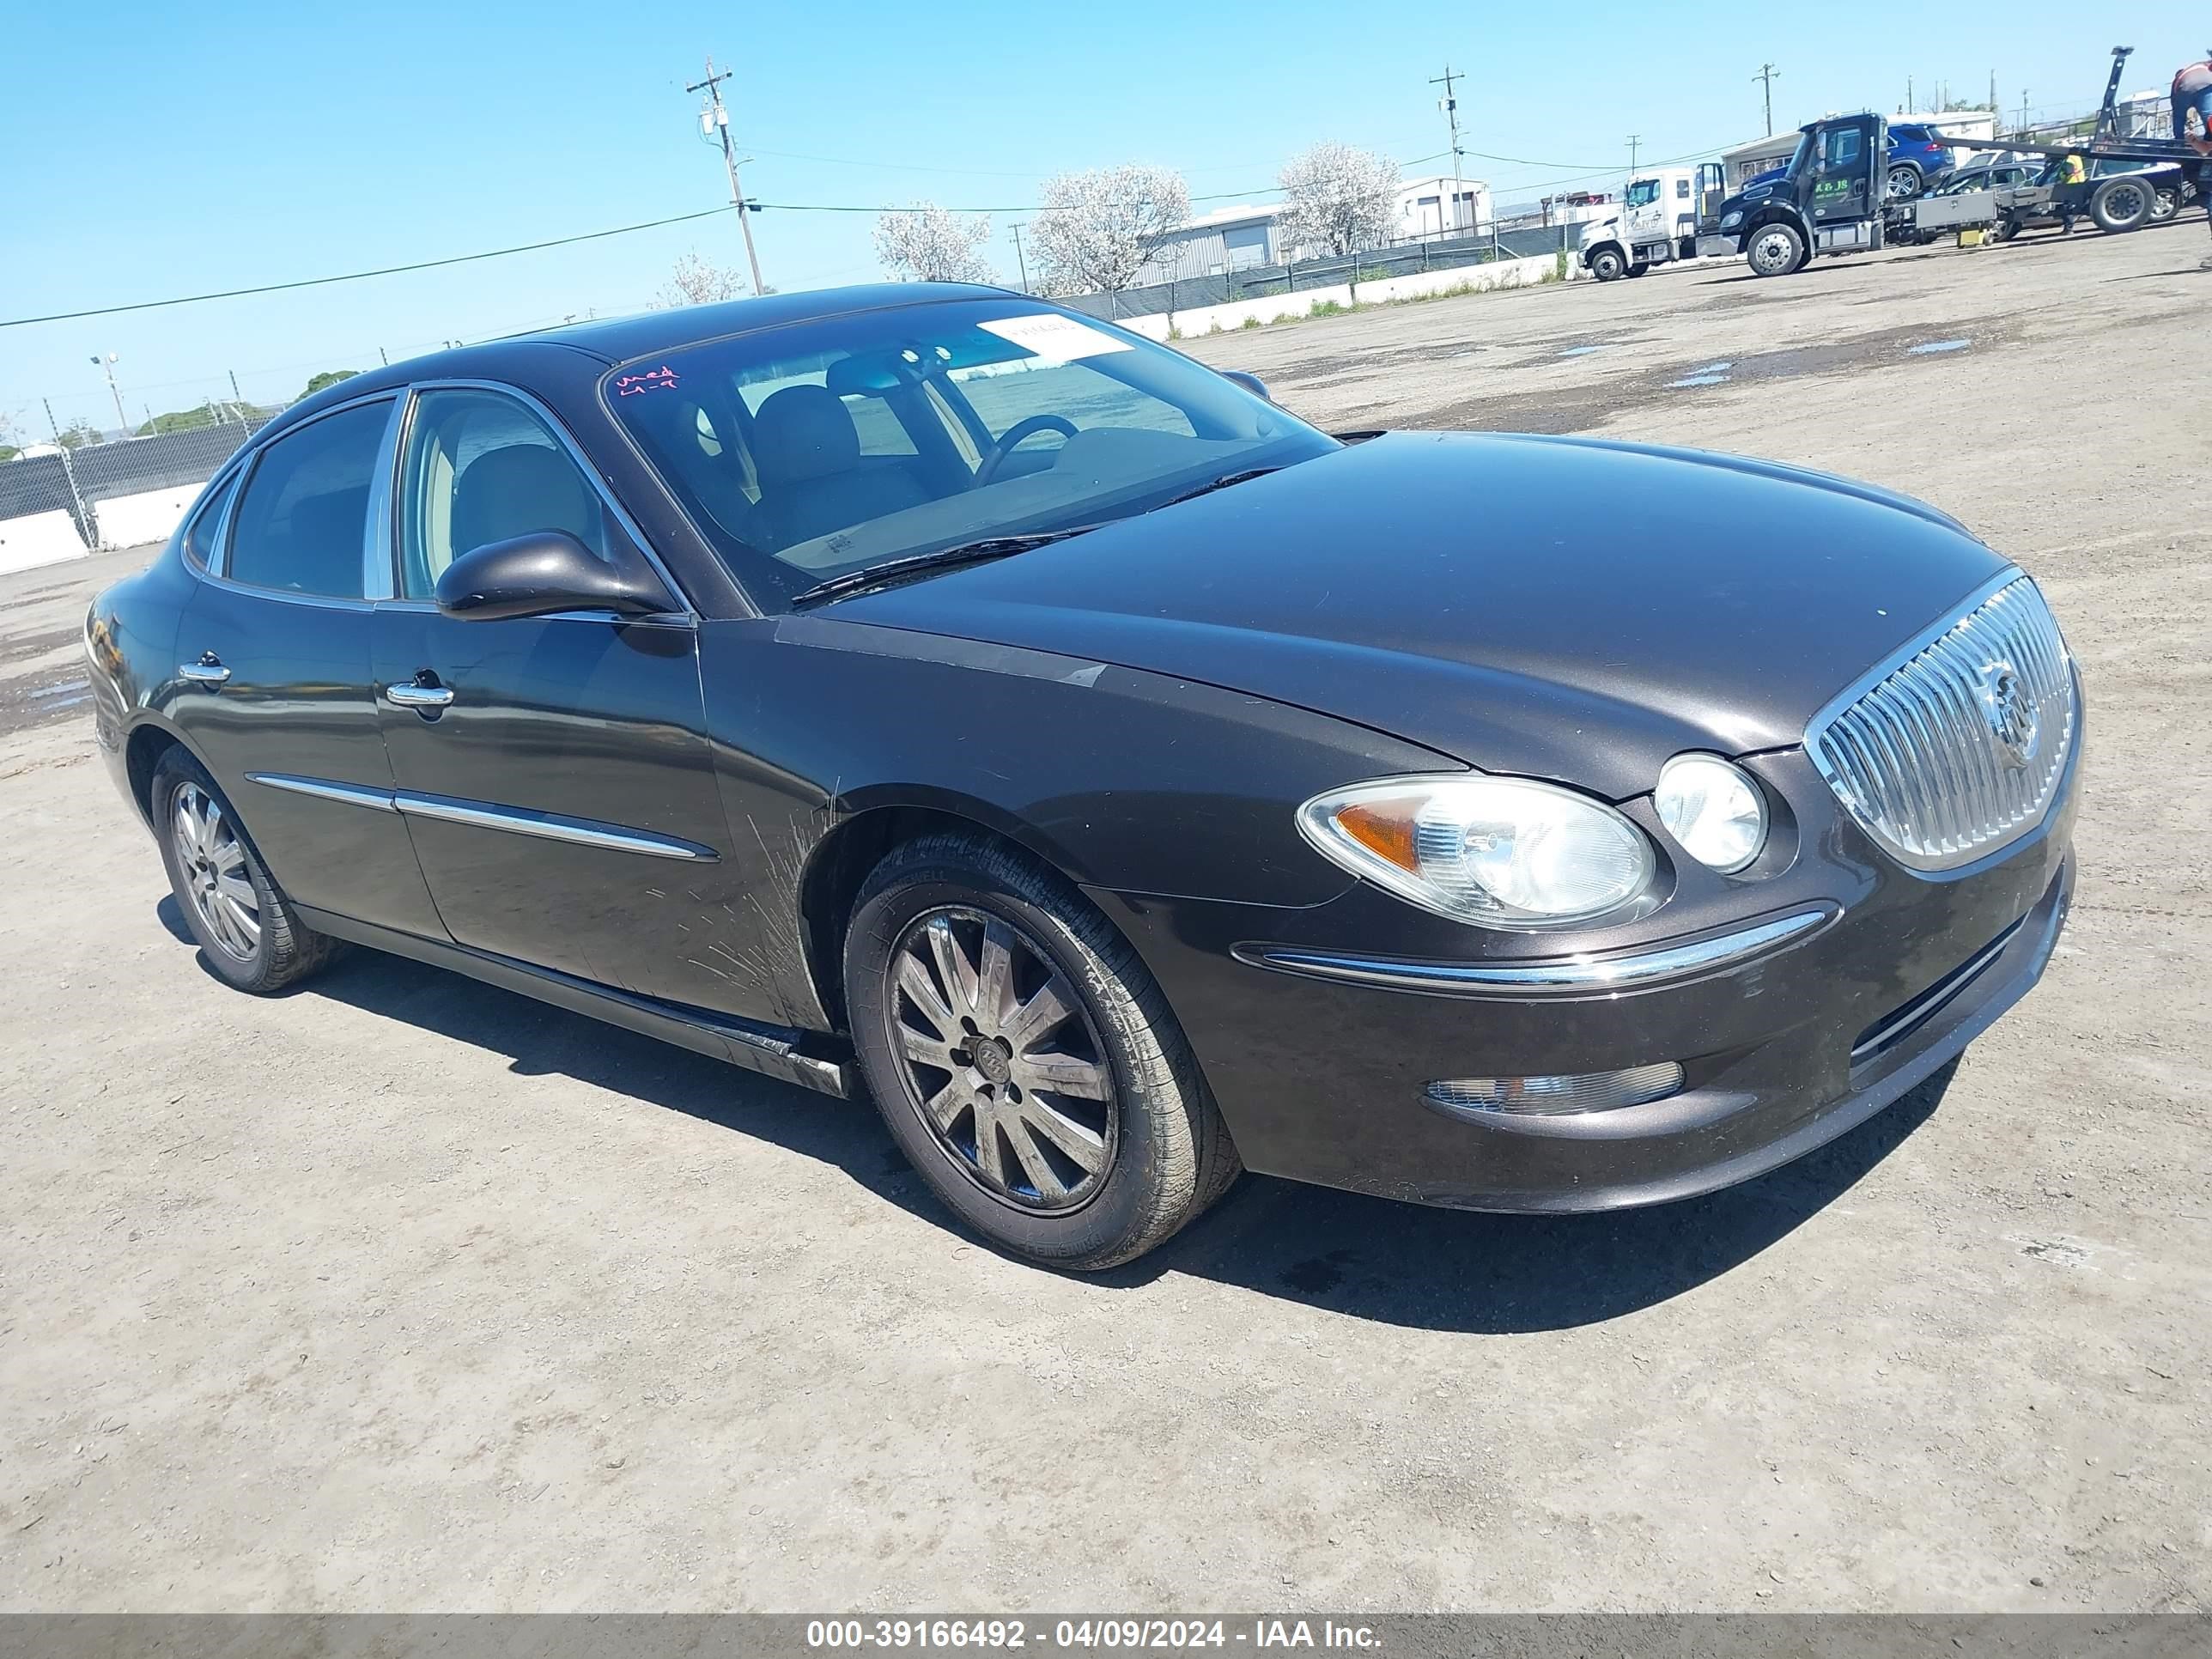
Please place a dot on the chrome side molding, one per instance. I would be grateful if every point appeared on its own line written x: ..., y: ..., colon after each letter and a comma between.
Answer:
x: 483, y: 814
x: 1564, y: 974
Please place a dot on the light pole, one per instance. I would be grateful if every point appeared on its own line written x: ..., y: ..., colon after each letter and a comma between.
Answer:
x: 107, y: 366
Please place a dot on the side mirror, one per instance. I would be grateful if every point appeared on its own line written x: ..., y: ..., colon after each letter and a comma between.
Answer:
x: 1251, y: 383
x: 546, y: 571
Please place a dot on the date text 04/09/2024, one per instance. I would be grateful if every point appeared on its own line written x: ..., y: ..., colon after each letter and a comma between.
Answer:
x: 1085, y: 1634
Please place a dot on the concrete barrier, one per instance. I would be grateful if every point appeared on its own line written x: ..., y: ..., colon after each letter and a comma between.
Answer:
x: 148, y: 516
x: 38, y: 538
x: 1275, y: 307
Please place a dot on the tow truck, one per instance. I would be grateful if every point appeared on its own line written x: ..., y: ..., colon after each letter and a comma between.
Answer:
x: 1658, y: 221
x: 1830, y: 198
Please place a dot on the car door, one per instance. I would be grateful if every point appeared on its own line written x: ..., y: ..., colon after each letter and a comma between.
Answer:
x: 1846, y: 185
x: 274, y: 671
x: 554, y: 770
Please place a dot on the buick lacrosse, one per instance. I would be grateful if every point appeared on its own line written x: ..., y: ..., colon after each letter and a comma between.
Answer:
x: 927, y: 691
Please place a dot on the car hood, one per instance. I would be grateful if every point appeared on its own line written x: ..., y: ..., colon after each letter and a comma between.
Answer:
x: 1561, y: 608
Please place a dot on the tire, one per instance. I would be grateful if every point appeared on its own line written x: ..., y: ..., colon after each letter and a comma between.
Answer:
x: 2122, y: 205
x: 1607, y: 265
x: 1902, y: 183
x: 2165, y: 204
x: 2005, y: 229
x: 1775, y: 249
x: 1130, y: 1168
x: 1643, y: 270
x: 213, y: 866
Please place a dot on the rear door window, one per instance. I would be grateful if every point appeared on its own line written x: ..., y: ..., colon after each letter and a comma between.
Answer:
x: 200, y: 534
x: 301, y: 524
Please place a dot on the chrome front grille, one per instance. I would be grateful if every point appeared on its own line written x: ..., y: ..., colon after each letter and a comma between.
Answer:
x: 1956, y: 747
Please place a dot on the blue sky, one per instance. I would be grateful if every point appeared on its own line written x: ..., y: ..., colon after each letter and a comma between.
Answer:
x: 162, y: 149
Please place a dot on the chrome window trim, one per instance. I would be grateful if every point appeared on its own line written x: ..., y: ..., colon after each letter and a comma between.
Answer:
x: 1569, y: 974
x: 262, y: 443
x: 348, y: 795
x: 561, y: 435
x: 551, y: 826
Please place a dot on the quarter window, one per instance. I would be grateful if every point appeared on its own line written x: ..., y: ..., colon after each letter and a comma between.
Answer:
x: 199, y: 535
x: 302, y: 519
x: 482, y: 468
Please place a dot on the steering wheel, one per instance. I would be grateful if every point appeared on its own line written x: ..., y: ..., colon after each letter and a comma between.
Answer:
x: 1014, y: 436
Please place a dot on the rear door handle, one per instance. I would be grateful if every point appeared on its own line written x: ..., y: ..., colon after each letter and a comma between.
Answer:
x: 208, y: 670
x: 422, y: 692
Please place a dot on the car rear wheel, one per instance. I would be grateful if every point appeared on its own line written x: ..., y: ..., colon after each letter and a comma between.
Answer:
x: 2122, y: 205
x: 1024, y: 1060
x: 1904, y: 182
x: 1776, y: 250
x: 2164, y: 203
x: 245, y: 926
x: 1606, y: 264
x: 1642, y: 268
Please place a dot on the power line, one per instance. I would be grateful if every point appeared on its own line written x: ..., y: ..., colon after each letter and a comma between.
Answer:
x: 656, y: 224
x: 1765, y: 77
x: 362, y: 275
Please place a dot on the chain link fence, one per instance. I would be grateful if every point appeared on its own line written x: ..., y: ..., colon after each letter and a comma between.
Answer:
x: 1264, y: 281
x: 119, y: 475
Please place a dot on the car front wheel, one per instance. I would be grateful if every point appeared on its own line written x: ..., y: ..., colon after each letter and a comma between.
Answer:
x: 246, y: 927
x: 1606, y: 264
x: 1024, y: 1060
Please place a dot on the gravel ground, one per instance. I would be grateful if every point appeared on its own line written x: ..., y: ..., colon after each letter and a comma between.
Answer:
x: 404, y: 1293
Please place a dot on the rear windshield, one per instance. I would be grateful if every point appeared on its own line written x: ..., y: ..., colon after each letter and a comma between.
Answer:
x: 808, y: 452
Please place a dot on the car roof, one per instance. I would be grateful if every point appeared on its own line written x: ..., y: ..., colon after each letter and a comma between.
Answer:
x: 624, y: 339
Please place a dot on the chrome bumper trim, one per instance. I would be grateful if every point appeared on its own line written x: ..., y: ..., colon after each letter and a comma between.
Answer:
x: 1564, y: 974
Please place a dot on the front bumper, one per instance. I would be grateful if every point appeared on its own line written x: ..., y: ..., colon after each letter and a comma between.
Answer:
x: 1783, y: 1049
x: 1712, y: 246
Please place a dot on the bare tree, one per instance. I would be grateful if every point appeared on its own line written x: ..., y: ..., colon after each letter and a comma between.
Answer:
x: 1096, y: 230
x: 697, y: 281
x: 1338, y: 200
x: 927, y: 243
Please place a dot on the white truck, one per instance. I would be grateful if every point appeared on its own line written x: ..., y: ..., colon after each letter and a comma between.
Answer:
x: 1656, y: 221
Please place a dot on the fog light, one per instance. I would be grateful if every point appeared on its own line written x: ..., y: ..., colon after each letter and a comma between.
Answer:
x: 1551, y: 1096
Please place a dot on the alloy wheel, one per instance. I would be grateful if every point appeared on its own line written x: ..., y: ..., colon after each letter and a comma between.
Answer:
x: 212, y: 860
x: 1000, y: 1060
x: 1904, y: 184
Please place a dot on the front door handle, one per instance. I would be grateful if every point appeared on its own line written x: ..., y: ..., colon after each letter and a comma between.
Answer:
x: 208, y: 670
x: 423, y: 692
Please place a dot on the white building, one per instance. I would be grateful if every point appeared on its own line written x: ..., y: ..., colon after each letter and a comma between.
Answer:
x: 1442, y: 206
x: 1226, y: 239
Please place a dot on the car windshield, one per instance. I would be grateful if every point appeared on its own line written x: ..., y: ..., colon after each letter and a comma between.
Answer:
x: 806, y: 452
x: 1800, y: 157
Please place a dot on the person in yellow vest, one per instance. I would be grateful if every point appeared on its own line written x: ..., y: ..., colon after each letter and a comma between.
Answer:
x: 2072, y: 175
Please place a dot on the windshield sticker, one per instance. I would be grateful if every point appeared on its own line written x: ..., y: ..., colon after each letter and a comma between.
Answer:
x: 1056, y: 339
x: 653, y: 380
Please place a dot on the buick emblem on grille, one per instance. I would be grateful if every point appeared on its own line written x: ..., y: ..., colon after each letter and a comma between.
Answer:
x: 2015, y: 721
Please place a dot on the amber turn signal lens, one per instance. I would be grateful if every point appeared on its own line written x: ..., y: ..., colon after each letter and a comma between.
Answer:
x: 1384, y: 828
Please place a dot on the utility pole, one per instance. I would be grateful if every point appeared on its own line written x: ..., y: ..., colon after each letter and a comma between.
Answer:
x: 107, y: 364
x: 1767, y: 74
x: 1450, y: 104
x: 1634, y: 139
x: 718, y: 118
x: 1020, y: 262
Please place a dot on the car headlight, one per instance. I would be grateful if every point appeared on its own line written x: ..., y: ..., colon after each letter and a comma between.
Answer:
x: 1714, y: 812
x: 1731, y: 220
x: 1501, y: 851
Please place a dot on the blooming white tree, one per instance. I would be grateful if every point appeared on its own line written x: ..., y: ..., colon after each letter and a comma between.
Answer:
x: 1094, y: 230
x: 1338, y: 200
x: 927, y: 243
x: 698, y: 282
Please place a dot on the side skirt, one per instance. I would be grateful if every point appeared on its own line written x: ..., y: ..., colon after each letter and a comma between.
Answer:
x: 773, y: 1050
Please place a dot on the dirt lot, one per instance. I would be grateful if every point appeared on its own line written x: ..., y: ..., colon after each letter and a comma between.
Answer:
x: 401, y: 1293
